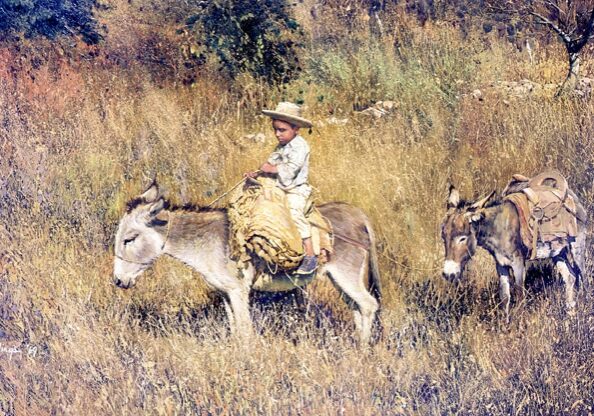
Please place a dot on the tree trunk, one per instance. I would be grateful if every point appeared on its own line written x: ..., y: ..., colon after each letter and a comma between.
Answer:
x: 574, y: 69
x: 572, y: 75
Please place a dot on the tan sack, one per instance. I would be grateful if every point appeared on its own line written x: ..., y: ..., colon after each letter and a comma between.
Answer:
x: 261, y: 224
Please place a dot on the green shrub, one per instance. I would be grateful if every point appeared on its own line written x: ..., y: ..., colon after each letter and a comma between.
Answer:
x: 49, y: 19
x: 256, y: 37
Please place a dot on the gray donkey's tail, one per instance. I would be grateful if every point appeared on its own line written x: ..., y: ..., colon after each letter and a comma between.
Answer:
x: 375, y: 286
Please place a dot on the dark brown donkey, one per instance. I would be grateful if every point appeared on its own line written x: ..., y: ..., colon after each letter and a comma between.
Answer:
x: 496, y: 228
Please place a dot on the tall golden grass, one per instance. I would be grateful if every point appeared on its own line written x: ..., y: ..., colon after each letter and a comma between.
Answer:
x: 72, y: 343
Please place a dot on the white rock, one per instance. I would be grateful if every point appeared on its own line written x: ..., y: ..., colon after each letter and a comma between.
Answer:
x: 385, y: 105
x: 477, y: 94
x: 373, y: 112
x: 336, y: 121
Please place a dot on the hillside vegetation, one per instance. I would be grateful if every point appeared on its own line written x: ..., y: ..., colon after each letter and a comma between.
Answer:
x: 84, y: 128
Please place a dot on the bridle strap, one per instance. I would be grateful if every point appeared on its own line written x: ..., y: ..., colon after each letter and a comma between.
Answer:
x: 133, y: 261
x: 147, y: 263
x: 169, y: 221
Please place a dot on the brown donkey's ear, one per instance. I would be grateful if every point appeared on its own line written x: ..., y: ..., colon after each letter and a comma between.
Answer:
x: 453, y: 198
x: 474, y: 216
x: 480, y: 204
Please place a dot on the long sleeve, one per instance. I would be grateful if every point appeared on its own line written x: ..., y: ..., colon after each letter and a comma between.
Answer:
x: 292, y: 162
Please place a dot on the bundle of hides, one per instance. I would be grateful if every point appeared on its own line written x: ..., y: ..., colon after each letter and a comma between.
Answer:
x: 261, y: 224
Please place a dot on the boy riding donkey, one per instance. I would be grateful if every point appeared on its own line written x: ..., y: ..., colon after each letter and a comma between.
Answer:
x: 289, y: 164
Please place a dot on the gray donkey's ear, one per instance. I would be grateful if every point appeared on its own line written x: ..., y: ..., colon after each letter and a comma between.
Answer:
x: 152, y: 193
x: 453, y: 198
x: 152, y: 211
x: 156, y: 207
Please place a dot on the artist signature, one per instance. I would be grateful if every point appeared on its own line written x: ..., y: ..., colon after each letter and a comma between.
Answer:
x: 18, y: 351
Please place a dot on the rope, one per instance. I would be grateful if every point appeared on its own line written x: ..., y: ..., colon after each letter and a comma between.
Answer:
x: 434, y: 268
x: 226, y: 193
x: 275, y: 269
x: 231, y: 189
x: 347, y: 240
x: 396, y: 262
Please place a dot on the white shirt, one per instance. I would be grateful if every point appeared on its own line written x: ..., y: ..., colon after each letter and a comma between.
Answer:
x: 292, y: 162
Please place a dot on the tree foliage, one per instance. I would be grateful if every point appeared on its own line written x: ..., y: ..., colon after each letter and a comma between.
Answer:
x: 49, y: 18
x: 259, y: 37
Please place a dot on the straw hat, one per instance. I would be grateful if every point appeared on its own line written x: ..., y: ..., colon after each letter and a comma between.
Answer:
x: 289, y: 112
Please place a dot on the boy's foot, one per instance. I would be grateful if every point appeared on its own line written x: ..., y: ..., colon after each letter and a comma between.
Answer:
x: 308, y: 265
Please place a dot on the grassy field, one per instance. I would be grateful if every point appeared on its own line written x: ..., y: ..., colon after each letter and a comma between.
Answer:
x: 79, y: 141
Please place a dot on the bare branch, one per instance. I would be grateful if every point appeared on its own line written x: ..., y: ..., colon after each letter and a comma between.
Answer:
x: 588, y: 33
x: 544, y: 21
x: 555, y: 7
x: 590, y: 27
x: 493, y: 8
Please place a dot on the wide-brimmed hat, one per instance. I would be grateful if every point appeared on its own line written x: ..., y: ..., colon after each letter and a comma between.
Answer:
x: 289, y: 112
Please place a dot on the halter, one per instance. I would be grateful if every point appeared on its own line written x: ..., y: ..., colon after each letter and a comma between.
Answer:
x: 148, y: 263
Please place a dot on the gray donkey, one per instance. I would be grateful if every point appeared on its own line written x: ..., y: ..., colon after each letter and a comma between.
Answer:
x: 496, y: 228
x: 199, y: 238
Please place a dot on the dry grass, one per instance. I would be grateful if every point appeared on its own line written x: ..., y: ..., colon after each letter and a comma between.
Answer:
x: 73, y: 343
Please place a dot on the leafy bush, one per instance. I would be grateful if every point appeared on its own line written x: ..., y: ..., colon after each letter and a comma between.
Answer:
x: 49, y: 19
x: 256, y: 37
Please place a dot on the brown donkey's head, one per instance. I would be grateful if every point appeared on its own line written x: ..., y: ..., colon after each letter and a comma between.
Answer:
x: 458, y: 231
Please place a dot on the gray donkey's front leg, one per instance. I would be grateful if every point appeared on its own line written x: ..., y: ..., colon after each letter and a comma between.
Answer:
x: 237, y: 294
x: 236, y: 290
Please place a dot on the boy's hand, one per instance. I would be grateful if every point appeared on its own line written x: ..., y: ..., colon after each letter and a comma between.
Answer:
x: 251, y: 174
x: 268, y: 168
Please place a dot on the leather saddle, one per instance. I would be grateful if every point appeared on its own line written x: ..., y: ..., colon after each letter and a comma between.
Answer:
x: 547, y: 208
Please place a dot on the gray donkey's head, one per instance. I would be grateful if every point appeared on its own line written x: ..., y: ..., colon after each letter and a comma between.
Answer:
x: 140, y: 237
x: 458, y: 231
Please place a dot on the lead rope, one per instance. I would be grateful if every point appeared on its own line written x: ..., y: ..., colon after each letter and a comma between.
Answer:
x: 406, y: 266
x: 230, y: 190
x: 226, y: 193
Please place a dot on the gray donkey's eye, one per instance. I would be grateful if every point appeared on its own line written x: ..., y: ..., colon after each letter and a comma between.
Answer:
x: 130, y: 240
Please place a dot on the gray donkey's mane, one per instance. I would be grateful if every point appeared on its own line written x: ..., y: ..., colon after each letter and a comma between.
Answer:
x: 190, y: 207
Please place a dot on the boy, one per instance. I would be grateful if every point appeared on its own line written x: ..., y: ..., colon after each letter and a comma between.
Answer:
x: 290, y: 164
